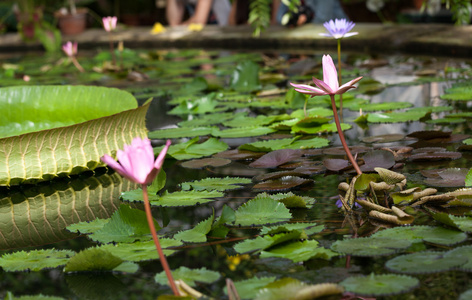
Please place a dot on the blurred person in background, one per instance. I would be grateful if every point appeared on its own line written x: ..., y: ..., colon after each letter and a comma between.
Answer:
x: 200, y: 12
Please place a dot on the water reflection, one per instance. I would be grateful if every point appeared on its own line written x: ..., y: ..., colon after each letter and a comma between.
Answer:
x: 40, y: 214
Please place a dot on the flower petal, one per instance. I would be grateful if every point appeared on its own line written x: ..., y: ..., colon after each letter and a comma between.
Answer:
x: 323, y: 86
x: 330, y: 75
x: 111, y: 162
x: 160, y: 158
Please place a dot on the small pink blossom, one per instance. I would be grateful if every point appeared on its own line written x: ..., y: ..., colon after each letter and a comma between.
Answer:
x: 70, y: 49
x: 109, y: 23
x: 26, y: 78
x: 329, y: 85
x: 136, y: 161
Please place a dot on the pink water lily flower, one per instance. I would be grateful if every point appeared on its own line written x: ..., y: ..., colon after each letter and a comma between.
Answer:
x: 329, y: 85
x: 339, y: 28
x: 109, y: 23
x: 70, y: 49
x: 136, y: 161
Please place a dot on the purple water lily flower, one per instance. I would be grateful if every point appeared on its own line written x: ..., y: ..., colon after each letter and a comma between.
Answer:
x: 329, y: 85
x: 136, y: 161
x: 339, y: 28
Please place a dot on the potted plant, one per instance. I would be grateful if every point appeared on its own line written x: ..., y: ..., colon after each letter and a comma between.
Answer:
x: 71, y: 20
x: 33, y: 27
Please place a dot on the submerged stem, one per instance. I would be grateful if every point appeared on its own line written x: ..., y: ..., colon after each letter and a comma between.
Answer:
x: 112, y: 51
x: 341, y: 137
x: 162, y: 257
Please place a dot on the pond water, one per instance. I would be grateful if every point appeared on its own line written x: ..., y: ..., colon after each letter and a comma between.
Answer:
x: 196, y: 88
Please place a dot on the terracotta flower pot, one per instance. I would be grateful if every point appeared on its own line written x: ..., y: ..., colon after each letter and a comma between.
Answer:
x: 71, y: 24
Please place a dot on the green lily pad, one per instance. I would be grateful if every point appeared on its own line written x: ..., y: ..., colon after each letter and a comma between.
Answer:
x: 96, y: 259
x: 271, y: 145
x: 430, y: 234
x: 299, y: 251
x: 189, y: 276
x: 267, y: 241
x: 218, y: 184
x: 424, y: 262
x: 461, y: 253
x: 192, y: 149
x: 247, y: 289
x: 186, y: 198
x: 197, y: 234
x: 35, y: 260
x: 261, y: 211
x: 379, y: 285
x: 370, y: 246
x: 141, y: 251
x: 174, y: 133
x: 242, y: 132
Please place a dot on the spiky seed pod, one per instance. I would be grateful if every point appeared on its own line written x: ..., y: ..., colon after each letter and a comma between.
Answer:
x: 410, y: 191
x: 424, y: 193
x: 384, y: 217
x: 372, y: 206
x: 381, y: 186
x: 434, y: 200
x: 461, y: 192
x: 390, y: 177
x: 318, y: 290
x: 403, y: 216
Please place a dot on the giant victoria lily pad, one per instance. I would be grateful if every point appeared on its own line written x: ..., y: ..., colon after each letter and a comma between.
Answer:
x: 50, y: 131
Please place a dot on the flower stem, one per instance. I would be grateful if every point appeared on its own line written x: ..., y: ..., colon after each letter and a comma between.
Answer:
x: 162, y: 257
x: 112, y: 51
x: 340, y: 79
x: 341, y: 137
x: 76, y: 64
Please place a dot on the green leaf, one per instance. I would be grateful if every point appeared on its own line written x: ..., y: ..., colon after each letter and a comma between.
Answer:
x: 10, y: 296
x: 379, y: 285
x: 370, y: 246
x: 88, y: 227
x: 192, y: 149
x: 424, y: 262
x: 460, y: 253
x: 92, y: 259
x: 366, y: 107
x: 290, y: 143
x: 218, y: 184
x: 174, y: 133
x: 189, y: 276
x: 459, y: 92
x: 141, y: 251
x: 245, y: 77
x: 247, y: 289
x: 35, y: 260
x: 126, y: 225
x: 72, y: 148
x: 331, y: 127
x: 435, y: 235
x: 395, y: 117
x: 309, y: 228
x: 468, y: 177
x: 261, y: 211
x: 242, y: 132
x: 197, y: 234
x: 205, y: 104
x: 466, y: 295
x: 299, y: 251
x: 186, y: 198
x: 290, y: 200
x: 266, y: 241
x: 242, y: 120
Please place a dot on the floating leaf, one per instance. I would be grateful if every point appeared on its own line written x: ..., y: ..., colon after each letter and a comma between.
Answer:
x: 459, y: 92
x: 452, y: 177
x: 370, y: 246
x: 192, y: 149
x: 174, y: 133
x: 197, y: 234
x: 92, y: 259
x: 242, y: 132
x: 377, y: 159
x: 290, y: 288
x: 266, y: 241
x: 186, y: 198
x: 88, y: 227
x: 299, y: 251
x: 126, y: 225
x: 35, y: 260
x: 290, y: 200
x: 141, y: 251
x: 247, y: 289
x: 395, y: 117
x: 245, y: 121
x: 331, y: 127
x: 309, y: 228
x: 379, y: 285
x: 245, y: 77
x: 202, y: 105
x: 424, y: 262
x: 366, y: 107
x: 205, y: 162
x: 261, y: 211
x: 466, y: 295
x: 435, y: 235
x: 10, y: 296
x: 45, y: 136
x: 464, y: 252
x: 189, y: 276
x: 282, y: 184
x: 218, y: 184
x: 270, y: 145
x: 276, y: 158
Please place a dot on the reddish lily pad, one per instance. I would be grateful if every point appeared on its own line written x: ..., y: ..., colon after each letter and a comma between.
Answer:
x: 435, y: 156
x: 301, y: 171
x: 340, y: 150
x: 336, y: 164
x: 377, y: 159
x: 282, y: 184
x: 276, y: 158
x: 237, y: 154
x: 206, y: 162
x: 452, y: 177
x: 385, y: 138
